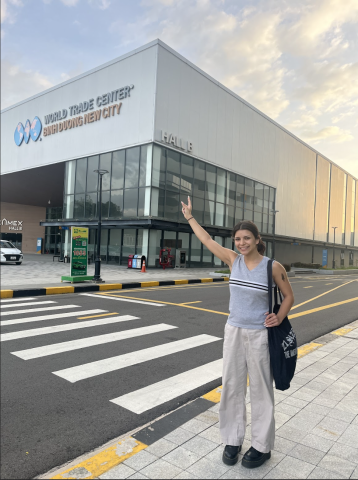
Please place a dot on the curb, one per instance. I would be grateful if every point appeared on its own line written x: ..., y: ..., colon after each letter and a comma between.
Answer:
x: 112, y: 454
x: 25, y: 292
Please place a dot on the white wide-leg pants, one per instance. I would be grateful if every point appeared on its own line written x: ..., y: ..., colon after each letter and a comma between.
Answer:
x: 246, y: 352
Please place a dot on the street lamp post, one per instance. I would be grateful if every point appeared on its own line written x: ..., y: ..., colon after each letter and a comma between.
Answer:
x: 97, y: 268
x: 334, y: 247
x: 274, y: 233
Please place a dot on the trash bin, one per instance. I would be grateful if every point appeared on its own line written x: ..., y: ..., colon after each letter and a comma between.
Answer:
x: 139, y: 261
x: 130, y: 261
x: 134, y: 263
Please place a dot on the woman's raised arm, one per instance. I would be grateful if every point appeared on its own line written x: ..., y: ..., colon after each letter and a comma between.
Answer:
x: 225, y: 254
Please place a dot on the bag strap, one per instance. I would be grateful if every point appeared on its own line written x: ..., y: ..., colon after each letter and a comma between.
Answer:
x: 269, y: 281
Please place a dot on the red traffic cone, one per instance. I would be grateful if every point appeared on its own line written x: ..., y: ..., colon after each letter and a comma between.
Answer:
x: 143, y: 267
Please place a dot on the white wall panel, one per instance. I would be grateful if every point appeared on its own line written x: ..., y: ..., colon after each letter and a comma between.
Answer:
x: 134, y: 124
x: 348, y: 211
x: 356, y: 218
x: 336, y: 203
x: 322, y: 199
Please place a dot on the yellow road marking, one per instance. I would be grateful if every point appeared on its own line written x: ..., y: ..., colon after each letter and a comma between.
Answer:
x: 187, y: 303
x: 328, y: 283
x: 105, y: 460
x: 308, y: 287
x: 110, y: 286
x: 318, y: 296
x: 181, y: 282
x: 165, y: 303
x: 306, y: 349
x: 7, y: 294
x: 206, y: 280
x: 56, y: 290
x: 342, y: 331
x: 149, y: 284
x: 95, y: 316
x: 307, y: 312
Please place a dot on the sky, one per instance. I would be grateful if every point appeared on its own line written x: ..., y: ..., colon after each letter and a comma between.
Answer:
x: 295, y: 61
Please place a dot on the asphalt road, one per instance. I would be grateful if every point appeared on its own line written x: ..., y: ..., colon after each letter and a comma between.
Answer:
x: 48, y: 419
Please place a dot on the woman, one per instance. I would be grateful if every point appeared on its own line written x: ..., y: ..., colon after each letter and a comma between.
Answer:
x: 246, y: 341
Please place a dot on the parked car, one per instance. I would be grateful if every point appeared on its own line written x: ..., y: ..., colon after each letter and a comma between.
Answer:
x: 10, y: 254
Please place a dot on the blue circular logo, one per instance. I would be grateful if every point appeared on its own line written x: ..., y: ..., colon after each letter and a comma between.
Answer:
x: 35, y: 130
x: 19, y: 134
x: 32, y: 130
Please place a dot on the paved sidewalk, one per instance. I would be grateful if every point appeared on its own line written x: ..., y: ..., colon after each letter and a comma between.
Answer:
x: 316, y: 429
x: 40, y: 271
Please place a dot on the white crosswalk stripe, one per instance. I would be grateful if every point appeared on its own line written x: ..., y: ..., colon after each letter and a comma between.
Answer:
x: 26, y: 304
x: 31, y: 310
x: 20, y: 299
x: 158, y: 393
x: 53, y: 316
x: 138, y: 400
x: 90, y: 341
x: 100, y: 367
x: 107, y: 297
x: 64, y: 328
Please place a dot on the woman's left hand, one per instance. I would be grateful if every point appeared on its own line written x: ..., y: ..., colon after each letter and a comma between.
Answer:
x: 272, y: 320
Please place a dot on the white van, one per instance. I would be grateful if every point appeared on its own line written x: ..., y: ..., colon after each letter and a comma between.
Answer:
x: 10, y: 254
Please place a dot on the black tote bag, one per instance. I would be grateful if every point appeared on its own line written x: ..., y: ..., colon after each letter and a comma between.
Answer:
x: 282, y: 342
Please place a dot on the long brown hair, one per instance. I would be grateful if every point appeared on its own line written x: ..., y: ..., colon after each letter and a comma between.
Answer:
x: 251, y: 227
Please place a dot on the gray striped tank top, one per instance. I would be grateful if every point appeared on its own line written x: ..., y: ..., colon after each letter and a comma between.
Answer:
x: 248, y: 294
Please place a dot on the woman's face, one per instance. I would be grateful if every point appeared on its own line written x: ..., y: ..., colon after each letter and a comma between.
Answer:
x: 245, y: 242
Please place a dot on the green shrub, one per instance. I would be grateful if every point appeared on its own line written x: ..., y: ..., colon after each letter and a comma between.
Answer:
x: 287, y: 267
x: 307, y: 265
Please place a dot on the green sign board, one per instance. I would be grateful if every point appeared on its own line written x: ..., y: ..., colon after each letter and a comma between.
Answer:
x: 79, y: 251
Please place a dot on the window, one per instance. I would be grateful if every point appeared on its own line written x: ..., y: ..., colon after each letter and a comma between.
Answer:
x: 173, y: 171
x: 118, y: 159
x: 259, y: 197
x: 116, y: 204
x: 209, y: 216
x: 198, y: 209
x: 240, y: 191
x: 231, y: 188
x: 199, y: 179
x: 81, y: 171
x: 92, y: 177
x: 249, y: 195
x: 171, y: 206
x: 131, y: 175
x: 187, y: 174
x: 159, y: 167
x: 130, y: 203
x: 79, y: 206
x: 219, y: 214
x: 105, y: 162
x: 221, y: 186
x: 210, y: 182
x: 91, y: 205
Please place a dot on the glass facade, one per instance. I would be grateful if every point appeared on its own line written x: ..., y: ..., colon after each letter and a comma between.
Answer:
x: 149, y: 182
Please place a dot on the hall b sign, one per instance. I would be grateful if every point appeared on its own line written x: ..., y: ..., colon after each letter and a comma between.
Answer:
x: 175, y: 141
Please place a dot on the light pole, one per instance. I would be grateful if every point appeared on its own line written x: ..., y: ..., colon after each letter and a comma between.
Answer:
x: 274, y: 233
x: 97, y: 268
x: 334, y: 245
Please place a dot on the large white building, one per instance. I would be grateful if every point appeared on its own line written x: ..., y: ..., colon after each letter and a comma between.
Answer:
x: 164, y: 129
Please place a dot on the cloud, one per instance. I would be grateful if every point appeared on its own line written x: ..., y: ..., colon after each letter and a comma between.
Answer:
x: 101, y: 4
x: 332, y: 134
x: 8, y: 12
x: 70, y: 3
x: 18, y: 84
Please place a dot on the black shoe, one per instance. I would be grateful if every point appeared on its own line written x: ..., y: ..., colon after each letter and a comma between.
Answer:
x: 231, y: 454
x: 254, y: 458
